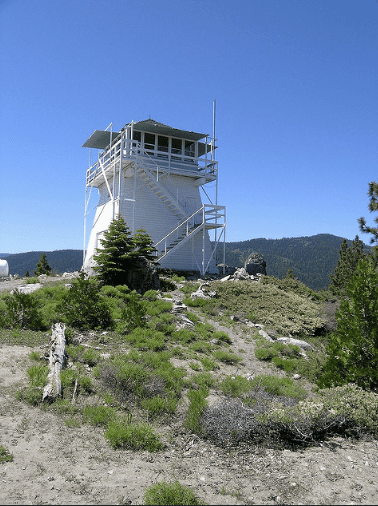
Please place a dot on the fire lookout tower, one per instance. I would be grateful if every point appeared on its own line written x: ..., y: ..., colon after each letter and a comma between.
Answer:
x: 152, y: 174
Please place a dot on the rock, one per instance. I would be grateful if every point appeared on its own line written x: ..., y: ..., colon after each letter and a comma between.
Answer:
x: 240, y: 273
x: 178, y: 307
x: 184, y: 323
x: 70, y: 274
x: 203, y: 292
x: 289, y: 340
x: 144, y: 277
x: 266, y: 335
x: 297, y: 376
x: 227, y: 269
x: 255, y: 264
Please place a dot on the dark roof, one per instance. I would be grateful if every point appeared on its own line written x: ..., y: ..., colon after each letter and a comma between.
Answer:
x: 150, y: 125
x: 101, y: 138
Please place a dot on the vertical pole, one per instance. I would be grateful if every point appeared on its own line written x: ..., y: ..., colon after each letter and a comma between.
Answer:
x: 134, y: 190
x: 216, y: 186
x: 85, y: 221
x: 120, y: 173
x: 224, y: 243
x: 203, y: 240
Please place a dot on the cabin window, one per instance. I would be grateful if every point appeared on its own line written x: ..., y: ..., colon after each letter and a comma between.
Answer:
x: 163, y: 143
x: 137, y: 136
x: 177, y: 146
x: 189, y: 148
x: 149, y: 142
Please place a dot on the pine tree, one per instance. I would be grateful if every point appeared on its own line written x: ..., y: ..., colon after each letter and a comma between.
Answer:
x: 42, y: 266
x: 353, y: 348
x: 144, y: 246
x: 115, y: 258
x: 346, y: 266
x: 373, y: 206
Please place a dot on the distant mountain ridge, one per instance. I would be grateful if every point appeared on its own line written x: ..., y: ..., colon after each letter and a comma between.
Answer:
x: 64, y: 260
x: 312, y: 259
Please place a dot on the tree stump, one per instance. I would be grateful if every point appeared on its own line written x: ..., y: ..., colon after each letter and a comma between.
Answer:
x: 53, y: 389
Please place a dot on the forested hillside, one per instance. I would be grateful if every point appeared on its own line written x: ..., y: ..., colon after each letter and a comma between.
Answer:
x: 312, y: 259
x: 66, y: 260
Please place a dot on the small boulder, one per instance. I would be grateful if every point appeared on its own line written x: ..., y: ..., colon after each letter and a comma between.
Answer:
x: 255, y: 264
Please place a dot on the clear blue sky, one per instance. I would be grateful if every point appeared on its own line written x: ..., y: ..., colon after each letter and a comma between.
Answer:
x: 295, y: 83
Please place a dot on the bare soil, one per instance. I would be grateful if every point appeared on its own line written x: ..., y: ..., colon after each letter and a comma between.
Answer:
x: 56, y: 464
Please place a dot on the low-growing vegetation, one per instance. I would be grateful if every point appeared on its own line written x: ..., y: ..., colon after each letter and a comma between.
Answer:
x: 122, y: 377
x: 170, y: 493
x: 5, y: 455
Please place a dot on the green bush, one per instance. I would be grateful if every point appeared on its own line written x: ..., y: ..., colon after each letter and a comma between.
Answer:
x: 90, y: 357
x: 5, y: 455
x: 98, y: 415
x: 122, y: 434
x: 31, y: 395
x: 32, y: 281
x: 201, y: 346
x: 166, y: 285
x: 34, y: 355
x: 195, y: 366
x: 266, y: 352
x: 222, y: 336
x: 68, y: 377
x: 147, y: 339
x: 285, y: 364
x: 83, y: 307
x: 196, y: 302
x: 204, y: 379
x: 157, y: 405
x: 86, y: 384
x: 133, y: 312
x: 235, y: 386
x: 196, y: 408
x: 208, y: 364
x: 150, y: 295
x: 38, y: 375
x: 189, y: 288
x: 274, y: 385
x: 21, y: 311
x: 170, y: 493
x: 227, y: 358
x: 157, y: 307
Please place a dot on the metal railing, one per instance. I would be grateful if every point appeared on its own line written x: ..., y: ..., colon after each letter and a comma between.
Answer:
x: 207, y: 216
x: 127, y: 149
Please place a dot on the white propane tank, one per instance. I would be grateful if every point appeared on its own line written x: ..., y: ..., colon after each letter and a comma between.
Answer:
x: 4, y: 268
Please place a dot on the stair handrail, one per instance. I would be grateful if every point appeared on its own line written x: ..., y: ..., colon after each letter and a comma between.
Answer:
x: 183, y: 223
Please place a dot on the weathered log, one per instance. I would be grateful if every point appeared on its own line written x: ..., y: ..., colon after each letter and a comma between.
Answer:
x: 53, y: 389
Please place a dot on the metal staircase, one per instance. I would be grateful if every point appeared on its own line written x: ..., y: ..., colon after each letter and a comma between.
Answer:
x: 207, y: 217
x: 161, y: 192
